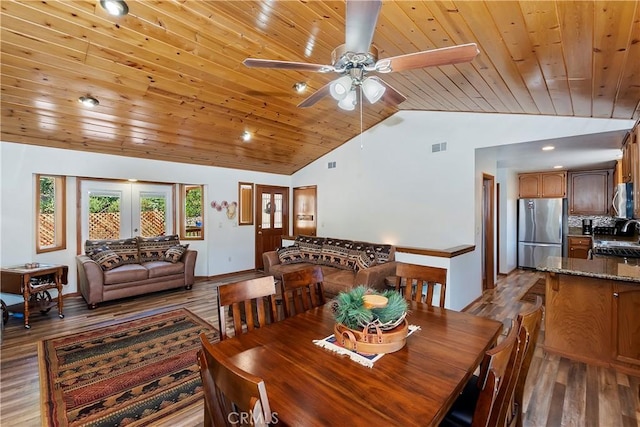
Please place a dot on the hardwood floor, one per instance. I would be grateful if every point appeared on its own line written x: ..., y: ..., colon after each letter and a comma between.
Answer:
x: 559, y: 392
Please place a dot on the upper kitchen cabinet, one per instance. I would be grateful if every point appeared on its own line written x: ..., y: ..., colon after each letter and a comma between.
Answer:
x: 590, y: 192
x: 542, y: 184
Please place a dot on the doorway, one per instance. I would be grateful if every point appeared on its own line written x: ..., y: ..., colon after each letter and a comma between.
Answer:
x: 488, y: 231
x: 305, y: 218
x: 272, y: 219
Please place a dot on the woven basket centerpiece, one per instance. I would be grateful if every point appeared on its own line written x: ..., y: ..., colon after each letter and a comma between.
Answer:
x: 370, y: 322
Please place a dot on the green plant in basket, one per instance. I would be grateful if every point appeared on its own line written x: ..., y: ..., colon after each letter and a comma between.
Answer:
x: 364, y: 307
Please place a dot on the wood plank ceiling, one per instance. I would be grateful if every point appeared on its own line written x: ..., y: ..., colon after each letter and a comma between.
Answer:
x: 171, y: 84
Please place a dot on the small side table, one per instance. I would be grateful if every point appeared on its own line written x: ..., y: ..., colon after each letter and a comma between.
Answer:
x: 33, y: 285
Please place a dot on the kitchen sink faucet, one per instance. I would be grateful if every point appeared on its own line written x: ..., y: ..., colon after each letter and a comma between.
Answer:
x: 625, y: 227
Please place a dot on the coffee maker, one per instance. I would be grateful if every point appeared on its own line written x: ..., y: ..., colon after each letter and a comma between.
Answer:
x: 587, y: 226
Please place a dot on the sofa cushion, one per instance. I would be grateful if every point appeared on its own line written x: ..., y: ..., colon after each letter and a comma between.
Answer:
x: 310, y: 248
x: 126, y: 248
x: 383, y: 253
x: 163, y: 268
x: 336, y: 280
x: 125, y: 273
x: 154, y: 248
x: 335, y: 253
x: 174, y: 253
x: 278, y: 270
x: 365, y: 260
x: 290, y: 255
x: 105, y: 257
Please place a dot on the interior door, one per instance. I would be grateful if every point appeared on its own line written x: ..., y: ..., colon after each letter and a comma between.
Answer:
x: 304, y: 211
x: 272, y: 219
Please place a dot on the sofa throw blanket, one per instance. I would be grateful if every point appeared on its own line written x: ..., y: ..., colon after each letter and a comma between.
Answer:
x: 127, y: 249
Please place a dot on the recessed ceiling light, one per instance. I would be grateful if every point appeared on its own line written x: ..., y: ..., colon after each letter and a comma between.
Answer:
x: 557, y: 167
x: 246, y: 136
x: 300, y: 87
x: 548, y: 148
x: 132, y: 180
x: 88, y: 101
x: 115, y: 7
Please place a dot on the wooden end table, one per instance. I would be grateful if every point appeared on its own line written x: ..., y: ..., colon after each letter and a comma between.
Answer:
x: 33, y: 284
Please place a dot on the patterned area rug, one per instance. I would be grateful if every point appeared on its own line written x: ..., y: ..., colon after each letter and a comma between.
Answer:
x: 537, y: 289
x: 131, y: 373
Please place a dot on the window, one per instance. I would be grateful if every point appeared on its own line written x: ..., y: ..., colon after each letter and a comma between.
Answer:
x: 245, y: 199
x: 50, y: 213
x: 192, y: 204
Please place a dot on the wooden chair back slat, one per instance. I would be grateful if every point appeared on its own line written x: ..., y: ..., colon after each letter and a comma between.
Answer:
x: 425, y: 277
x: 242, y: 297
x: 229, y: 390
x: 302, y: 290
x: 531, y: 321
x: 494, y: 367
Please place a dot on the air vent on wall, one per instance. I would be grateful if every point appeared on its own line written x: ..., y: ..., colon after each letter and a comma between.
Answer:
x: 331, y: 165
x: 440, y: 146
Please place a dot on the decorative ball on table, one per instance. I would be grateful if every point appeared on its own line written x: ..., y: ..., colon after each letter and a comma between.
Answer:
x: 370, y: 321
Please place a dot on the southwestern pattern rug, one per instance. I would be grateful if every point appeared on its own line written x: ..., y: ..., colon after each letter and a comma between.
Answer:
x: 132, y: 373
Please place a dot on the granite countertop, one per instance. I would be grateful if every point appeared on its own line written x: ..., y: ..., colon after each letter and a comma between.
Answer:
x: 576, y: 232
x: 612, y: 268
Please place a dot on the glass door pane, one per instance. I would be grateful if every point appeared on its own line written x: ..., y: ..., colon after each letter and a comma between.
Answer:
x: 153, y: 209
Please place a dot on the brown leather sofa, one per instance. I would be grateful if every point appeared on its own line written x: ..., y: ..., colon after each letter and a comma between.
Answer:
x: 137, y: 277
x: 338, y: 259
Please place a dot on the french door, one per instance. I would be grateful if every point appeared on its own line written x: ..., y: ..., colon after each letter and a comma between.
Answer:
x: 272, y: 219
x: 118, y: 210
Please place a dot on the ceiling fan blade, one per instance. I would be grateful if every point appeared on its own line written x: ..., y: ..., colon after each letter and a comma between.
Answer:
x: 391, y: 94
x: 286, y: 65
x: 428, y: 58
x: 315, y: 96
x: 362, y: 16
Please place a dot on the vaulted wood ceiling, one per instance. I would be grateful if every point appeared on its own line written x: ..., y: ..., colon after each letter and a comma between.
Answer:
x: 171, y: 84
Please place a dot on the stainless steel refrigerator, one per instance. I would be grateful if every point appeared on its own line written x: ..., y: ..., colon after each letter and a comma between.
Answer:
x: 541, y: 223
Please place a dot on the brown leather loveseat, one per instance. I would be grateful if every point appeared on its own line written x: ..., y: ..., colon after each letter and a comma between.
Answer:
x: 113, y: 269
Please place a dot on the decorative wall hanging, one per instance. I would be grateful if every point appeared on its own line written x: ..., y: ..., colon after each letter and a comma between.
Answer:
x: 230, y: 207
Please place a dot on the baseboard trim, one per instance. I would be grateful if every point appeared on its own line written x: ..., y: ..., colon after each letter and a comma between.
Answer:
x: 225, y: 275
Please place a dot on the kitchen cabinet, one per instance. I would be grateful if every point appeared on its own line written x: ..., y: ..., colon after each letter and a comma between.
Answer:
x: 626, y: 324
x: 579, y: 247
x: 542, y: 184
x: 590, y: 192
x: 593, y: 320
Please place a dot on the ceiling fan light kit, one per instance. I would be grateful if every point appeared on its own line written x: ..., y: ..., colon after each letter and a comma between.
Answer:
x: 341, y: 87
x: 357, y: 57
x: 373, y: 89
x: 349, y: 102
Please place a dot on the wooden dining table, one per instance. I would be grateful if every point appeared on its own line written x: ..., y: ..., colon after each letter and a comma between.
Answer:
x: 308, y: 385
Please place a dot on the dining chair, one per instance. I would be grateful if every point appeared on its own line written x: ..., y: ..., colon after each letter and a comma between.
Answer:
x: 424, y: 276
x: 302, y: 290
x: 480, y: 403
x: 232, y: 396
x: 531, y: 321
x: 241, y: 298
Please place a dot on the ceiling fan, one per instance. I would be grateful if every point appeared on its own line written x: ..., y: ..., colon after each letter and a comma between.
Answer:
x: 357, y: 57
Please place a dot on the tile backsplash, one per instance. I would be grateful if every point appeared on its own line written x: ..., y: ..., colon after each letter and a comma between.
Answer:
x: 598, y: 221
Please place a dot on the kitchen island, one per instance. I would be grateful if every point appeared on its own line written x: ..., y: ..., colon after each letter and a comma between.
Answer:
x: 592, y: 310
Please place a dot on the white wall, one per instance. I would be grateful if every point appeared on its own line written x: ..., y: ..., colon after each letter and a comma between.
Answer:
x: 508, y: 219
x: 19, y: 162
